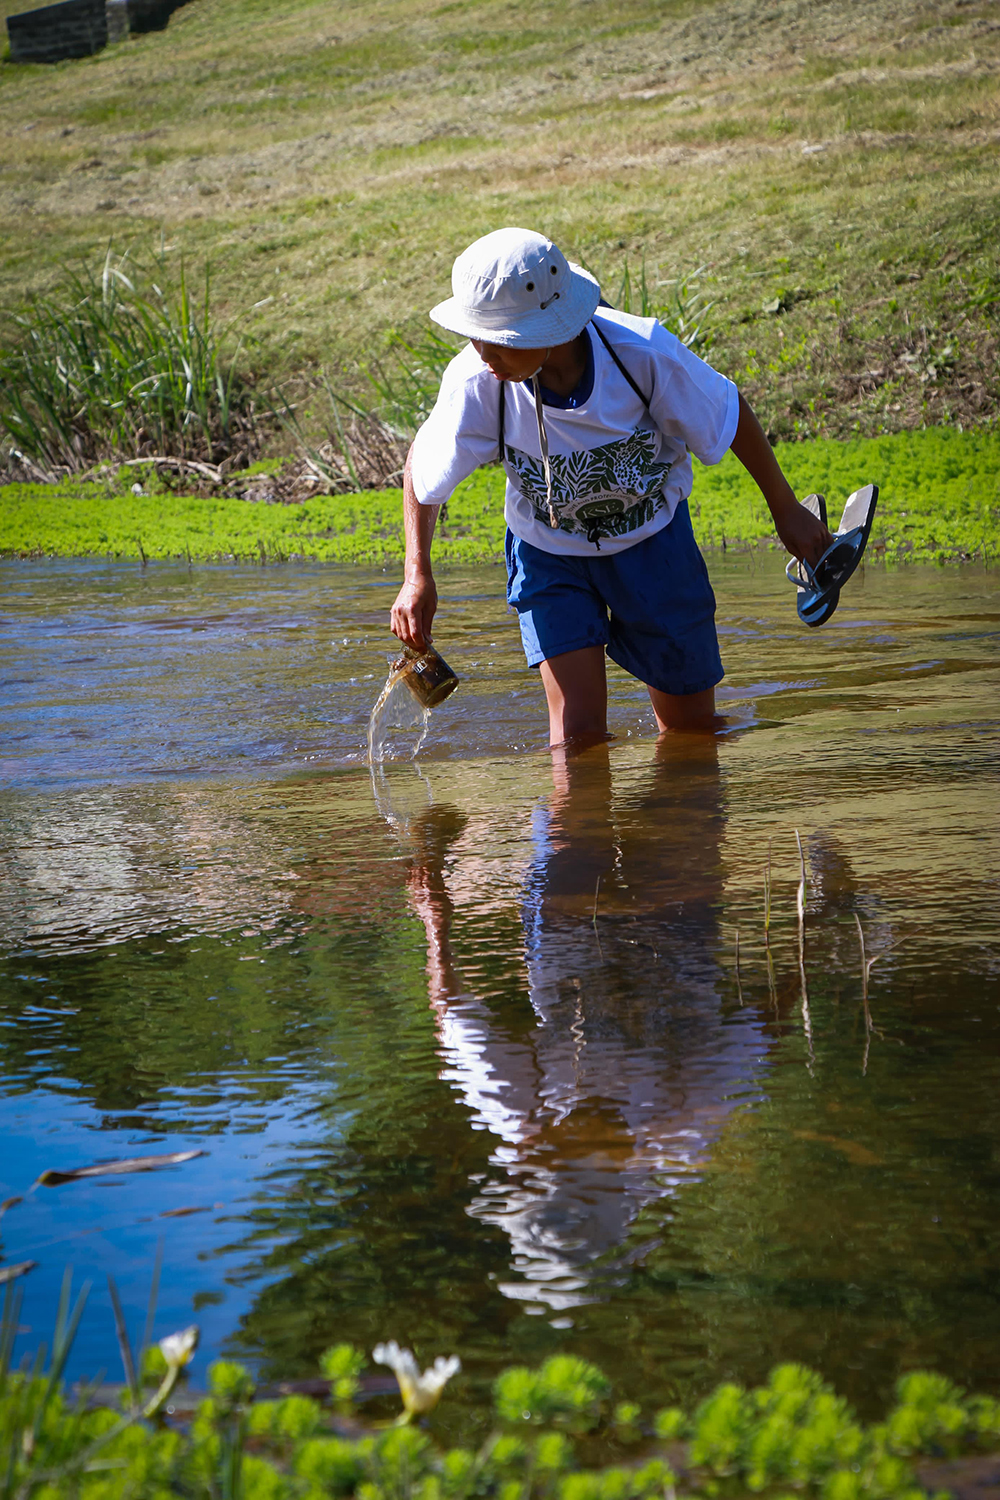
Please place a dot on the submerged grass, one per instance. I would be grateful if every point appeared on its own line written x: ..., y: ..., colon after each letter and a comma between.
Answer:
x: 940, y: 500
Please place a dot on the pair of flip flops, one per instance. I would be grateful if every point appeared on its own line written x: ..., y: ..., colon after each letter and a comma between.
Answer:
x: 819, y: 587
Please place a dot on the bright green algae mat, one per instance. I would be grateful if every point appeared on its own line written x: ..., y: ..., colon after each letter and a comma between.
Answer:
x: 940, y: 500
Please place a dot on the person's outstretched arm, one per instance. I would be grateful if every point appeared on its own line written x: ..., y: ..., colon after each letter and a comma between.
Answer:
x: 416, y: 602
x: 802, y: 533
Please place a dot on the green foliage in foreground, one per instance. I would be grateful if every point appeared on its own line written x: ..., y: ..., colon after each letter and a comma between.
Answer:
x: 792, y: 1434
x: 940, y: 499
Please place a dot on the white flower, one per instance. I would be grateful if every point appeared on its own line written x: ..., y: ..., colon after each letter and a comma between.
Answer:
x: 420, y: 1393
x: 177, y: 1348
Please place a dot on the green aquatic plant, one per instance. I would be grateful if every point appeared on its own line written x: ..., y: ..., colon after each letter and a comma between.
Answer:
x: 792, y: 1434
x: 342, y: 1366
x: 940, y: 501
x: 565, y: 1391
x: 50, y: 1445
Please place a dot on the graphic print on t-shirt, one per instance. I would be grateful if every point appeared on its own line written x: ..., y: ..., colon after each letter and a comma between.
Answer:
x: 596, y: 492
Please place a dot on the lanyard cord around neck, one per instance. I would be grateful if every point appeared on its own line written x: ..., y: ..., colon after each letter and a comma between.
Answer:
x: 543, y: 442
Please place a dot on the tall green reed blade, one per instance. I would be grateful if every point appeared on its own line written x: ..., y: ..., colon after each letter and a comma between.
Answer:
x: 342, y: 443
x: 633, y: 295
x: 283, y: 412
x: 406, y: 390
x: 27, y: 1398
x: 14, y: 1415
x: 109, y: 365
x: 154, y: 1292
x: 67, y: 1322
x: 8, y: 1329
x: 124, y: 1344
x: 686, y: 310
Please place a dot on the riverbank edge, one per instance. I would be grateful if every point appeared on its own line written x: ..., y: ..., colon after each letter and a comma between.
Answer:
x: 939, y: 502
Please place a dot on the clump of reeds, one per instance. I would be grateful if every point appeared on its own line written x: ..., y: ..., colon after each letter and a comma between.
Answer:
x: 121, y: 361
x: 361, y: 451
x: 678, y: 302
x: 404, y: 385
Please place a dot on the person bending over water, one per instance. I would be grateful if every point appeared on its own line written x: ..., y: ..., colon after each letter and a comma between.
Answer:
x: 594, y: 414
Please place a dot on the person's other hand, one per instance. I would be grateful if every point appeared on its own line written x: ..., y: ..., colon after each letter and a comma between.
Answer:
x: 803, y: 534
x: 414, y: 611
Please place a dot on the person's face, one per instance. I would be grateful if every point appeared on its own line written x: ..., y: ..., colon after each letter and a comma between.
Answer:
x: 510, y: 364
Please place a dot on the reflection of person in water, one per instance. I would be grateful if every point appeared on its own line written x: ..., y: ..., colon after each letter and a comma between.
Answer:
x: 621, y: 1080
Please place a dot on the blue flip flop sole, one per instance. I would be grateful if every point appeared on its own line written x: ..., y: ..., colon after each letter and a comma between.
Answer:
x: 819, y: 588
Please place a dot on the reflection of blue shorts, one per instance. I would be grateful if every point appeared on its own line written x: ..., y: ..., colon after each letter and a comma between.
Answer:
x: 657, y: 594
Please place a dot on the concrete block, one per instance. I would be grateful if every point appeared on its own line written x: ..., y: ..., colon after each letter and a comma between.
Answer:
x: 117, y: 15
x: 150, y: 15
x: 79, y: 28
x: 74, y: 28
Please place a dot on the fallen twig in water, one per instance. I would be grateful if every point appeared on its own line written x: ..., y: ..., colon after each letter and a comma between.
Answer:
x: 11, y: 1273
x: 593, y: 920
x: 52, y: 1177
x: 800, y: 895
x: 867, y: 965
x: 800, y: 909
x: 865, y: 971
x: 739, y: 986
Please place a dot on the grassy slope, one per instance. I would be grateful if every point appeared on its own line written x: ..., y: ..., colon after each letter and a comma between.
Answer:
x: 834, y: 160
x: 940, y: 499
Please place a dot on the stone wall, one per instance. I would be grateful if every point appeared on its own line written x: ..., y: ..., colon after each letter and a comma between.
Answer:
x: 79, y: 28
x: 148, y: 15
x: 76, y: 28
x: 117, y: 14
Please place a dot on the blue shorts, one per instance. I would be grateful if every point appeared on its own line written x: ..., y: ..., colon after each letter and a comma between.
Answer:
x: 651, y: 606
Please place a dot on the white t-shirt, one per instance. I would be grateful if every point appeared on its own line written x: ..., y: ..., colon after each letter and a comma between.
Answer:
x: 618, y: 470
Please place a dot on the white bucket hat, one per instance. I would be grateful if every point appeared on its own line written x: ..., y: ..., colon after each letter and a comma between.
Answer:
x: 513, y: 287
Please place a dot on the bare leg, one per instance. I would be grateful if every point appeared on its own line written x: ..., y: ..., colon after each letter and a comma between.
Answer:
x: 576, y: 687
x: 686, y: 711
x: 433, y: 834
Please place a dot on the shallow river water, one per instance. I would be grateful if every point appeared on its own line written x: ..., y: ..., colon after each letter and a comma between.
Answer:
x: 491, y: 1056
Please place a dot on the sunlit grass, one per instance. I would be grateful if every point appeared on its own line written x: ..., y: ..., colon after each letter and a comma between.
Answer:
x: 336, y: 158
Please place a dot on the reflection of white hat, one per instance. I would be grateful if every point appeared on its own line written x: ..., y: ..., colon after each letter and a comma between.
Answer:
x: 513, y: 287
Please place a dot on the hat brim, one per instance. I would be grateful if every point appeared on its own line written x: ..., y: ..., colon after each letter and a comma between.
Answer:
x: 561, y: 321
